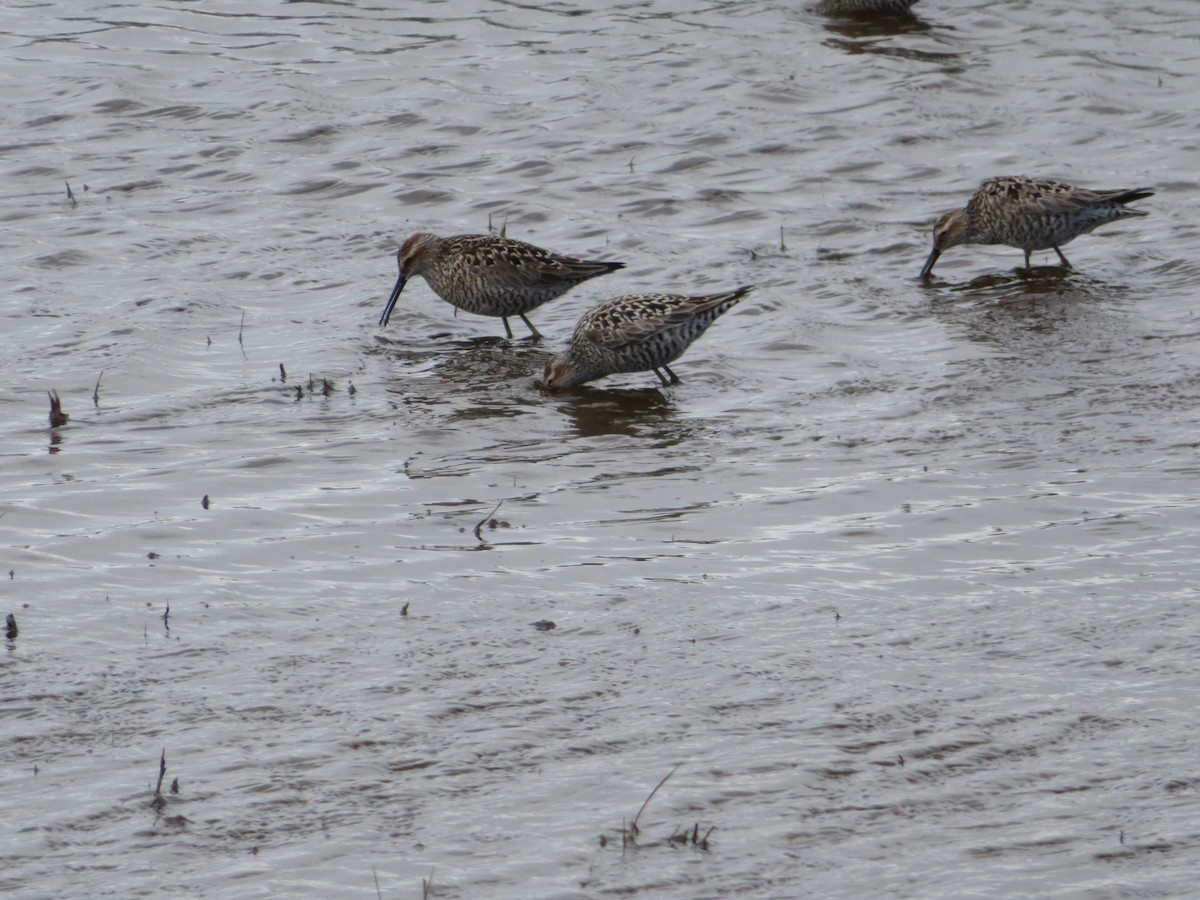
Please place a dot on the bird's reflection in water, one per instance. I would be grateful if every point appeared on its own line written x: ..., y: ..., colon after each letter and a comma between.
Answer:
x: 1041, y: 307
x: 649, y: 414
x: 873, y: 33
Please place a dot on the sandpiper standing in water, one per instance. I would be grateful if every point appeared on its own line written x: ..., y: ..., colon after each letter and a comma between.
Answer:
x: 639, y: 333
x: 489, y: 275
x: 1031, y: 215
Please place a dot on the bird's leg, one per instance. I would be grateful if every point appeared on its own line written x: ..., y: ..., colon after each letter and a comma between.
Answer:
x: 1066, y: 265
x: 1027, y: 259
x: 661, y: 376
x: 507, y: 329
x: 537, y: 335
x: 674, y: 377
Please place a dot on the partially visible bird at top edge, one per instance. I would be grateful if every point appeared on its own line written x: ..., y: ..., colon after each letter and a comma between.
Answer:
x: 864, y: 7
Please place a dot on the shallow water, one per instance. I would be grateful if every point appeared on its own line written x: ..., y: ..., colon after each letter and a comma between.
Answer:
x: 901, y: 577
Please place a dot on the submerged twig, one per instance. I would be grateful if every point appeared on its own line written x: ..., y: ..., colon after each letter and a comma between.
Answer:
x: 242, y: 328
x: 484, y: 521
x: 96, y: 391
x: 693, y: 837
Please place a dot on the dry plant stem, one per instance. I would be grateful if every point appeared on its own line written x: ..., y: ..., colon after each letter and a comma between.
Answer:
x: 483, y: 521
x: 162, y: 770
x: 649, y: 797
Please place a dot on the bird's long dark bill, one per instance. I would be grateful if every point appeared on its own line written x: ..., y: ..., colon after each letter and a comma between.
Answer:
x: 391, y: 304
x: 933, y: 257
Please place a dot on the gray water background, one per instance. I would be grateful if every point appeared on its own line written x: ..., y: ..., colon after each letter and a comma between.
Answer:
x: 902, y: 578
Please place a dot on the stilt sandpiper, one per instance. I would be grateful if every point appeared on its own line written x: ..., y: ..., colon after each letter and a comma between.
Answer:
x: 1031, y: 215
x: 489, y: 275
x: 639, y: 333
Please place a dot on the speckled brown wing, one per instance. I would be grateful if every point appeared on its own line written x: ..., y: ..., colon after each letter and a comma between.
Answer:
x: 626, y: 320
x: 632, y: 320
x: 565, y: 268
x: 515, y: 264
x: 1035, y: 197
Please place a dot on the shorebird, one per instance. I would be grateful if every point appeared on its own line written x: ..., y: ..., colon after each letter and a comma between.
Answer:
x: 1031, y: 215
x: 639, y: 333
x: 863, y: 7
x: 490, y: 275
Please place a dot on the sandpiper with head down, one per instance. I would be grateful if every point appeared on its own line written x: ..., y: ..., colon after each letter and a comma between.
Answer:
x: 639, y: 333
x: 1030, y: 214
x: 490, y: 275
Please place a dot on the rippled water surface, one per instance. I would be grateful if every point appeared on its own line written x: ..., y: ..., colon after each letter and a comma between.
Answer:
x: 901, y: 578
